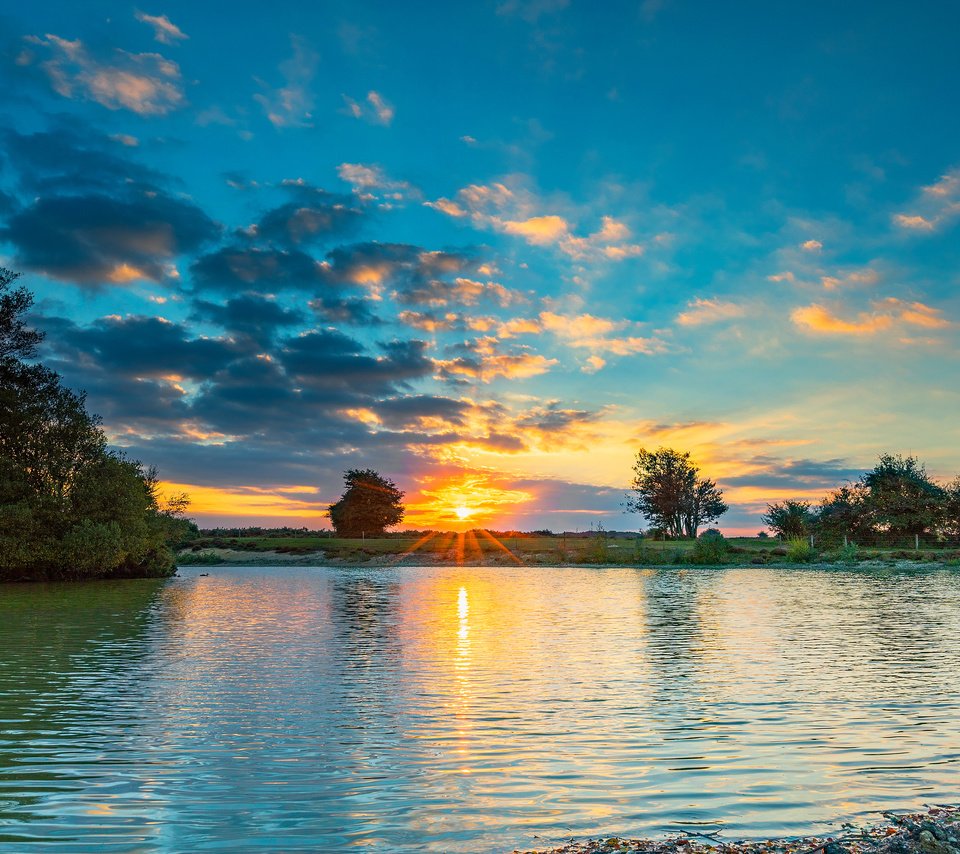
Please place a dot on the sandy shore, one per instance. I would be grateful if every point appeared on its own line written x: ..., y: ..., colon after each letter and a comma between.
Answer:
x: 936, y: 831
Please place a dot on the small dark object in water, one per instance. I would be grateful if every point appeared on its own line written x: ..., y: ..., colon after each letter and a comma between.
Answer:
x: 204, y: 574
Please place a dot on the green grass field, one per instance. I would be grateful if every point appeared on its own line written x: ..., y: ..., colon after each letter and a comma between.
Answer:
x: 473, y: 547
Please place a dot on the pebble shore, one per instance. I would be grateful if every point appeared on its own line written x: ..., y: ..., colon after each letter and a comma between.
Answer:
x: 936, y: 831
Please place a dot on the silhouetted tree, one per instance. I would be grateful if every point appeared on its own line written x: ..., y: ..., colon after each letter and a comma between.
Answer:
x: 370, y: 504
x: 669, y: 493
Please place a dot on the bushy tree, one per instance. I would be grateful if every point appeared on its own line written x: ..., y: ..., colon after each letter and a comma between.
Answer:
x: 669, y: 493
x: 69, y: 506
x: 901, y: 498
x: 790, y: 519
x: 369, y: 505
x: 950, y: 523
x: 845, y: 513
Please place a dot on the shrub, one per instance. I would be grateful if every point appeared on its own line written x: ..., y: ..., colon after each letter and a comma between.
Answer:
x: 800, y: 551
x: 711, y: 547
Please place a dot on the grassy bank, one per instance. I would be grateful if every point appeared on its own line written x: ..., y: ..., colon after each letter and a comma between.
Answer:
x: 478, y: 548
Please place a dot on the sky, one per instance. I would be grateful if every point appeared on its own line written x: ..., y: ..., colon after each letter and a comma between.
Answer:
x: 491, y: 249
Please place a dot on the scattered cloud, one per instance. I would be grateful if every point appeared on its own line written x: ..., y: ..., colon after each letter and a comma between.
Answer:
x: 375, y: 109
x: 290, y: 105
x: 517, y: 211
x: 145, y: 83
x: 934, y: 208
x: 585, y: 331
x: 884, y: 315
x: 164, y: 30
x: 371, y: 183
x: 704, y: 311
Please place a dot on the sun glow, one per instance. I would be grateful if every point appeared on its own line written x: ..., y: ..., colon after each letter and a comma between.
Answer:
x: 463, y: 512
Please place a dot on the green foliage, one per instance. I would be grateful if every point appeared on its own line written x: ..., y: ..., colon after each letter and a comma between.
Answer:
x: 790, y: 519
x: 844, y: 513
x: 710, y: 548
x: 69, y: 506
x: 669, y: 493
x: 848, y: 553
x: 800, y: 551
x: 370, y: 505
x: 902, y: 499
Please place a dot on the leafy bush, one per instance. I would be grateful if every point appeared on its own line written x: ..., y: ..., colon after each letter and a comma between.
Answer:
x: 710, y: 548
x: 848, y: 553
x: 800, y: 551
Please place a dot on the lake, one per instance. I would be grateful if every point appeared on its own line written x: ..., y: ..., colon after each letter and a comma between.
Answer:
x: 470, y: 709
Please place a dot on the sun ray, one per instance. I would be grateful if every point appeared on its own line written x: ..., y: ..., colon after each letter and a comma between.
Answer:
x: 500, y: 545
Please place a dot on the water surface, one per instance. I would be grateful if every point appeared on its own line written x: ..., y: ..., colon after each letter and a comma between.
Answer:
x: 465, y: 709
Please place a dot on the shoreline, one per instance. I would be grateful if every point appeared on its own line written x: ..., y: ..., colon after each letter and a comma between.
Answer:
x: 214, y: 557
x: 936, y: 831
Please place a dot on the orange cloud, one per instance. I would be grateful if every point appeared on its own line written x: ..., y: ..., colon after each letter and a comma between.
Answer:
x: 818, y: 319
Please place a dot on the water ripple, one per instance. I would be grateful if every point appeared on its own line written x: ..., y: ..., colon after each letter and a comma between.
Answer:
x: 451, y: 709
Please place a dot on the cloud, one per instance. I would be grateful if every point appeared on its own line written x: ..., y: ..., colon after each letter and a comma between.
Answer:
x: 164, y: 30
x: 290, y: 104
x: 376, y: 110
x: 74, y: 160
x: 934, y: 208
x: 485, y: 361
x: 811, y: 246
x: 703, y: 311
x: 145, y: 83
x: 250, y: 316
x: 585, y: 331
x: 886, y: 313
x: 235, y: 269
x: 371, y: 183
x: 313, y: 216
x: 94, y: 239
x: 856, y: 278
x: 517, y: 211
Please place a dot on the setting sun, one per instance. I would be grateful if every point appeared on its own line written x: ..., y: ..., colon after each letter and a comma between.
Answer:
x: 462, y: 512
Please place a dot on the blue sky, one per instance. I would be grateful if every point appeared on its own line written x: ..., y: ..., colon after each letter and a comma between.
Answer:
x: 491, y: 249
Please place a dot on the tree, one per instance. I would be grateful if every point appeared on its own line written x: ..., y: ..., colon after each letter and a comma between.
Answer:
x: 844, y: 513
x: 950, y: 524
x: 669, y: 493
x: 370, y: 504
x: 902, y: 500
x: 17, y: 341
x: 790, y: 520
x: 69, y: 506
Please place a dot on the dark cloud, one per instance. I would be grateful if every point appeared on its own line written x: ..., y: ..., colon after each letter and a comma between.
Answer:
x: 138, y: 347
x: 349, y: 310
x: 235, y: 269
x: 327, y: 360
x: 399, y: 413
x: 248, y: 315
x: 97, y: 239
x: 71, y: 158
x: 314, y: 216
x: 802, y: 474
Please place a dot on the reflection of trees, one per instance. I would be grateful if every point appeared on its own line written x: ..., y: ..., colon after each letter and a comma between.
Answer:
x: 70, y: 659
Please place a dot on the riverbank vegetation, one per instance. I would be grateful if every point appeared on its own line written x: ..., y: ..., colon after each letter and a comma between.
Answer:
x: 70, y: 507
x: 598, y: 548
x: 894, y: 505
